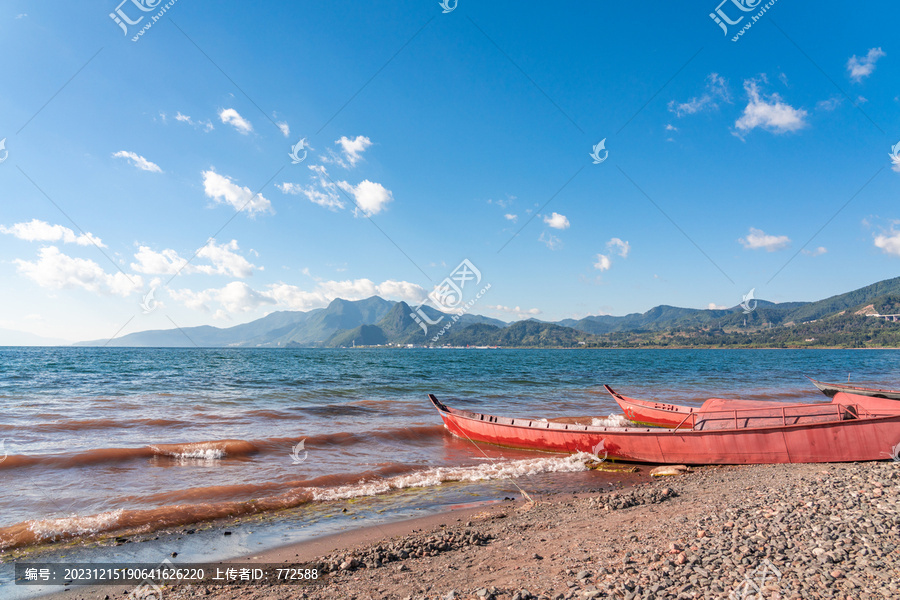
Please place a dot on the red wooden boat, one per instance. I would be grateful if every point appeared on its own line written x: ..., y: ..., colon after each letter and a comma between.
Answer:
x: 830, y: 389
x: 721, y: 437
x: 658, y: 414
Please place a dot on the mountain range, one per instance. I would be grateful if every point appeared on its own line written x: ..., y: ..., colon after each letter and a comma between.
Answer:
x: 837, y: 321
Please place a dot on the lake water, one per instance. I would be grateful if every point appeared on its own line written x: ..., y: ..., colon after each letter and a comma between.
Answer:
x: 135, y: 440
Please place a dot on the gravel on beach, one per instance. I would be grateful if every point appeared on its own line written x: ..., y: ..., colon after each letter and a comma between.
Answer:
x: 764, y: 531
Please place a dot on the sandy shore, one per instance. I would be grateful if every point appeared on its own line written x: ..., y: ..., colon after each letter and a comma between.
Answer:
x: 791, y: 531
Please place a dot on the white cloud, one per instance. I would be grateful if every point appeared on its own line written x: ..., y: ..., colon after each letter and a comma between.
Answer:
x: 41, y: 231
x: 551, y: 241
x: 323, y: 192
x: 516, y: 311
x: 770, y: 113
x: 206, y: 125
x: 616, y: 246
x: 603, y: 263
x: 56, y: 270
x: 817, y: 252
x: 224, y: 191
x: 511, y: 217
x: 225, y: 261
x: 758, y: 239
x: 371, y: 197
x: 670, y: 127
x: 353, y: 149
x: 503, y: 202
x: 861, y: 67
x: 714, y: 306
x: 889, y: 244
x: 716, y: 90
x: 830, y: 104
x: 149, y: 261
x: 284, y: 127
x: 239, y: 297
x: 234, y: 297
x: 222, y: 259
x: 557, y: 221
x: 139, y: 161
x: 229, y: 116
x: 619, y: 247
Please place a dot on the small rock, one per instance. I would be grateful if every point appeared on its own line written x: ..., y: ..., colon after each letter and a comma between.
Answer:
x: 670, y: 470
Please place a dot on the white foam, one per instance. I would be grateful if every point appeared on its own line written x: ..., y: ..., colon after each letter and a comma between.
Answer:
x: 70, y: 526
x: 611, y: 421
x: 201, y: 453
x: 194, y: 451
x: 501, y: 469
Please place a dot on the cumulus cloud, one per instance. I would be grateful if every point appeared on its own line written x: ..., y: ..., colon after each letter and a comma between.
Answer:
x: 149, y: 261
x: 205, y: 125
x: 511, y: 217
x: 352, y: 149
x: 239, y: 297
x: 229, y: 116
x: 714, y: 306
x: 768, y: 112
x: 371, y: 198
x: 603, y: 263
x: 861, y: 67
x: 284, y: 127
x: 211, y: 259
x: 224, y: 191
x: 41, y: 231
x: 619, y: 247
x: 889, y: 243
x: 139, y: 161
x: 817, y: 252
x: 614, y: 246
x: 758, y: 239
x: 715, y: 91
x: 234, y: 297
x: 557, y: 221
x: 224, y: 260
x: 56, y: 270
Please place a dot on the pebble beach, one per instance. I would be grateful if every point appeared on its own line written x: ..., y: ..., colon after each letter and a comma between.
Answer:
x: 764, y: 531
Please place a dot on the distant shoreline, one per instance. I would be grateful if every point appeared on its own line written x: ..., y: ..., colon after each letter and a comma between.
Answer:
x: 642, y: 347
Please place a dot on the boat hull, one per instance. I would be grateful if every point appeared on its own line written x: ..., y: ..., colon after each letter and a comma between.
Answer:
x: 838, y: 441
x: 830, y: 389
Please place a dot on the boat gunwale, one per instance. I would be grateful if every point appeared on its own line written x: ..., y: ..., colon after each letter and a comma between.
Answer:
x: 653, y: 404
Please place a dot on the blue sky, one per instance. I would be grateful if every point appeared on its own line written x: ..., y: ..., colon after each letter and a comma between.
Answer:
x: 435, y: 137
